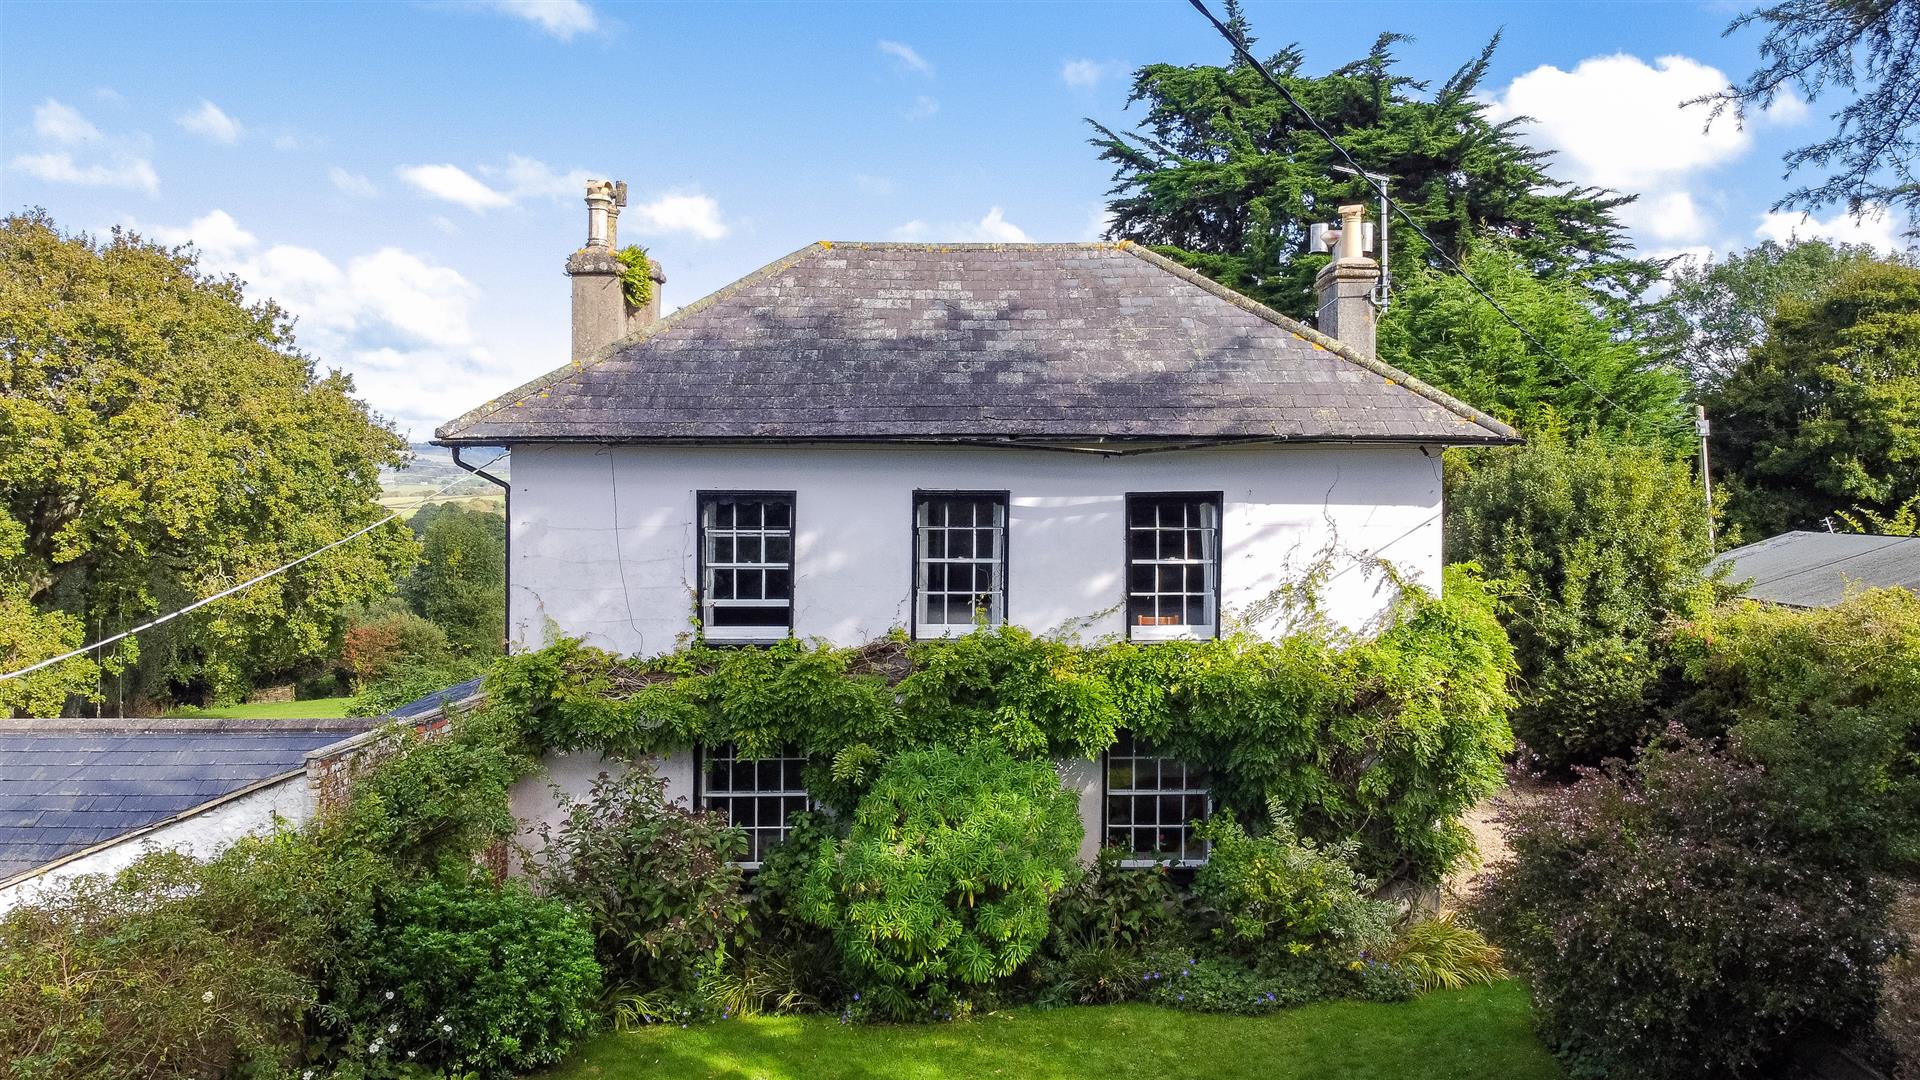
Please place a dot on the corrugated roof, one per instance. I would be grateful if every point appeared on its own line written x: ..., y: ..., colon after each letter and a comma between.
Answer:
x: 975, y: 341
x: 1815, y: 569
x: 68, y: 785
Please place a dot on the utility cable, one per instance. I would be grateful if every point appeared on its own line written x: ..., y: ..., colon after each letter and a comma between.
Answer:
x: 247, y: 584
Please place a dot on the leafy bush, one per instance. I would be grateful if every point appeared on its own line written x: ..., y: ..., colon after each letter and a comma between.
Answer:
x: 458, y: 973
x: 1600, y: 543
x: 656, y: 882
x: 435, y: 801
x: 173, y: 967
x: 1277, y: 895
x: 1103, y: 924
x: 1828, y: 701
x: 1442, y: 953
x: 1385, y: 739
x: 460, y: 582
x: 1673, y: 920
x: 1216, y: 983
x: 382, y: 639
x: 941, y: 887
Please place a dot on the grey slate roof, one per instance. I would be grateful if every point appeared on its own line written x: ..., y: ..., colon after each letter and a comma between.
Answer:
x: 68, y: 785
x: 1814, y: 569
x: 935, y: 342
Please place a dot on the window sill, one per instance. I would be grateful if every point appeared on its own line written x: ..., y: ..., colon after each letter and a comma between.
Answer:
x: 735, y: 637
x: 1171, y: 633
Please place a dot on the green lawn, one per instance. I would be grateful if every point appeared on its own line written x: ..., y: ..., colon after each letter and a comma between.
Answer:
x: 1484, y: 1032
x: 329, y: 708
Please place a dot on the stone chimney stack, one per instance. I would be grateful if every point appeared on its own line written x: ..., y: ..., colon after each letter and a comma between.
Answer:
x: 1346, y: 287
x: 601, y: 313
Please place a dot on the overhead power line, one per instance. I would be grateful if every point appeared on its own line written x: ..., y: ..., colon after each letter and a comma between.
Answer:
x: 247, y: 584
x: 1380, y: 190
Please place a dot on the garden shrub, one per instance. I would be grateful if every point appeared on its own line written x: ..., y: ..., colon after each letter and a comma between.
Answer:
x: 435, y: 801
x: 1674, y: 920
x: 1828, y: 701
x: 657, y: 883
x: 1600, y: 543
x: 1278, y: 896
x: 1385, y: 739
x: 174, y: 967
x: 1442, y: 953
x: 1102, y: 926
x: 940, y: 889
x: 458, y: 973
x: 381, y: 639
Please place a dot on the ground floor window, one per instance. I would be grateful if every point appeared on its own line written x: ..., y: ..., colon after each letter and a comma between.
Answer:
x: 759, y: 796
x: 1152, y: 804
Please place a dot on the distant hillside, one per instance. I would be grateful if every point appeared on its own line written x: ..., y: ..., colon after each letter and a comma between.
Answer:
x: 431, y: 468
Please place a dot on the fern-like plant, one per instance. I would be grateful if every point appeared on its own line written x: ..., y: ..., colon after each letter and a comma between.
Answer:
x: 1444, y: 953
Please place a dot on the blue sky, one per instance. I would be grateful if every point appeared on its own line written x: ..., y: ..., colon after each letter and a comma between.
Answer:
x: 406, y: 177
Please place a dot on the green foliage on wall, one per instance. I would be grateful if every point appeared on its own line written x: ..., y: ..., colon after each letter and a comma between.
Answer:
x: 636, y: 280
x: 1382, y: 738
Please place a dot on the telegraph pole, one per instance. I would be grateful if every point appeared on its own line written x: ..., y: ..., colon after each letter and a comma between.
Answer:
x: 1701, y: 426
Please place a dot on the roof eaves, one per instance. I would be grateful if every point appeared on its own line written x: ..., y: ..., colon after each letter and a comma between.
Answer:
x: 1504, y: 433
x: 450, y: 432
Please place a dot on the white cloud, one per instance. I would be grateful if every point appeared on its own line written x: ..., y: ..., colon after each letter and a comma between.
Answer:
x: 696, y: 214
x: 1099, y: 222
x: 219, y: 237
x: 400, y: 324
x: 354, y: 184
x: 1875, y: 227
x: 907, y: 57
x: 131, y: 173
x: 562, y: 19
x: 994, y: 228
x: 505, y: 185
x: 109, y: 95
x: 211, y: 123
x: 1617, y: 122
x: 922, y: 107
x: 1787, y: 109
x: 1085, y: 74
x: 63, y: 123
x: 453, y: 184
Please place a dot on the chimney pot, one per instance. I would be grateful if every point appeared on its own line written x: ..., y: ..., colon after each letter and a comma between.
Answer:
x: 601, y: 313
x: 1346, y: 287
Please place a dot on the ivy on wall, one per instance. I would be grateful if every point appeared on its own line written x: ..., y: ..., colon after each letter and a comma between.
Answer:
x: 1383, y: 739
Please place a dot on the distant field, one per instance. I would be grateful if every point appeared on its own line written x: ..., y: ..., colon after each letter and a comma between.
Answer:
x: 330, y: 708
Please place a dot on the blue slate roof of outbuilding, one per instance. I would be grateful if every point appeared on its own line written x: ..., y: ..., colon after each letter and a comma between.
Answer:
x: 68, y: 785
x: 1815, y: 569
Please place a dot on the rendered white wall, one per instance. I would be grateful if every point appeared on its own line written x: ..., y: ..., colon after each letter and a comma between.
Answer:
x: 604, y: 537
x: 201, y: 835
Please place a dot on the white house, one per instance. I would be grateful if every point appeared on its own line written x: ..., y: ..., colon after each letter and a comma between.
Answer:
x: 859, y: 437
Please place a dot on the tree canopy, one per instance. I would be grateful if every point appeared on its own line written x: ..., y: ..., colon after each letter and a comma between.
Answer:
x: 1869, y: 49
x: 1224, y: 176
x: 161, y: 438
x: 461, y: 582
x: 1717, y: 310
x: 1440, y: 330
x: 1825, y: 415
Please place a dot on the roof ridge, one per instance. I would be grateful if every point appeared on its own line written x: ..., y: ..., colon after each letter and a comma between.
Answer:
x: 1331, y: 344
x: 572, y: 368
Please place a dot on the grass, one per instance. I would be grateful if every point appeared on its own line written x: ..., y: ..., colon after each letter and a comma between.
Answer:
x: 1483, y: 1032
x: 314, y: 709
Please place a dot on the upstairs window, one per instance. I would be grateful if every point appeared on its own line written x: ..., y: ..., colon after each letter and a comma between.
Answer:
x: 960, y: 562
x: 1173, y: 567
x: 1153, y: 803
x: 746, y: 566
x: 758, y: 796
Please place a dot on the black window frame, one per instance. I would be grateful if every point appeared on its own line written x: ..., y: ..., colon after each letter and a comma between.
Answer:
x: 729, y: 636
x: 1186, y: 825
x: 702, y: 753
x: 920, y: 497
x: 1217, y: 499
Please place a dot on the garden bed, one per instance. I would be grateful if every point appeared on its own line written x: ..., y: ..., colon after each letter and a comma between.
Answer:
x: 1466, y: 1034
